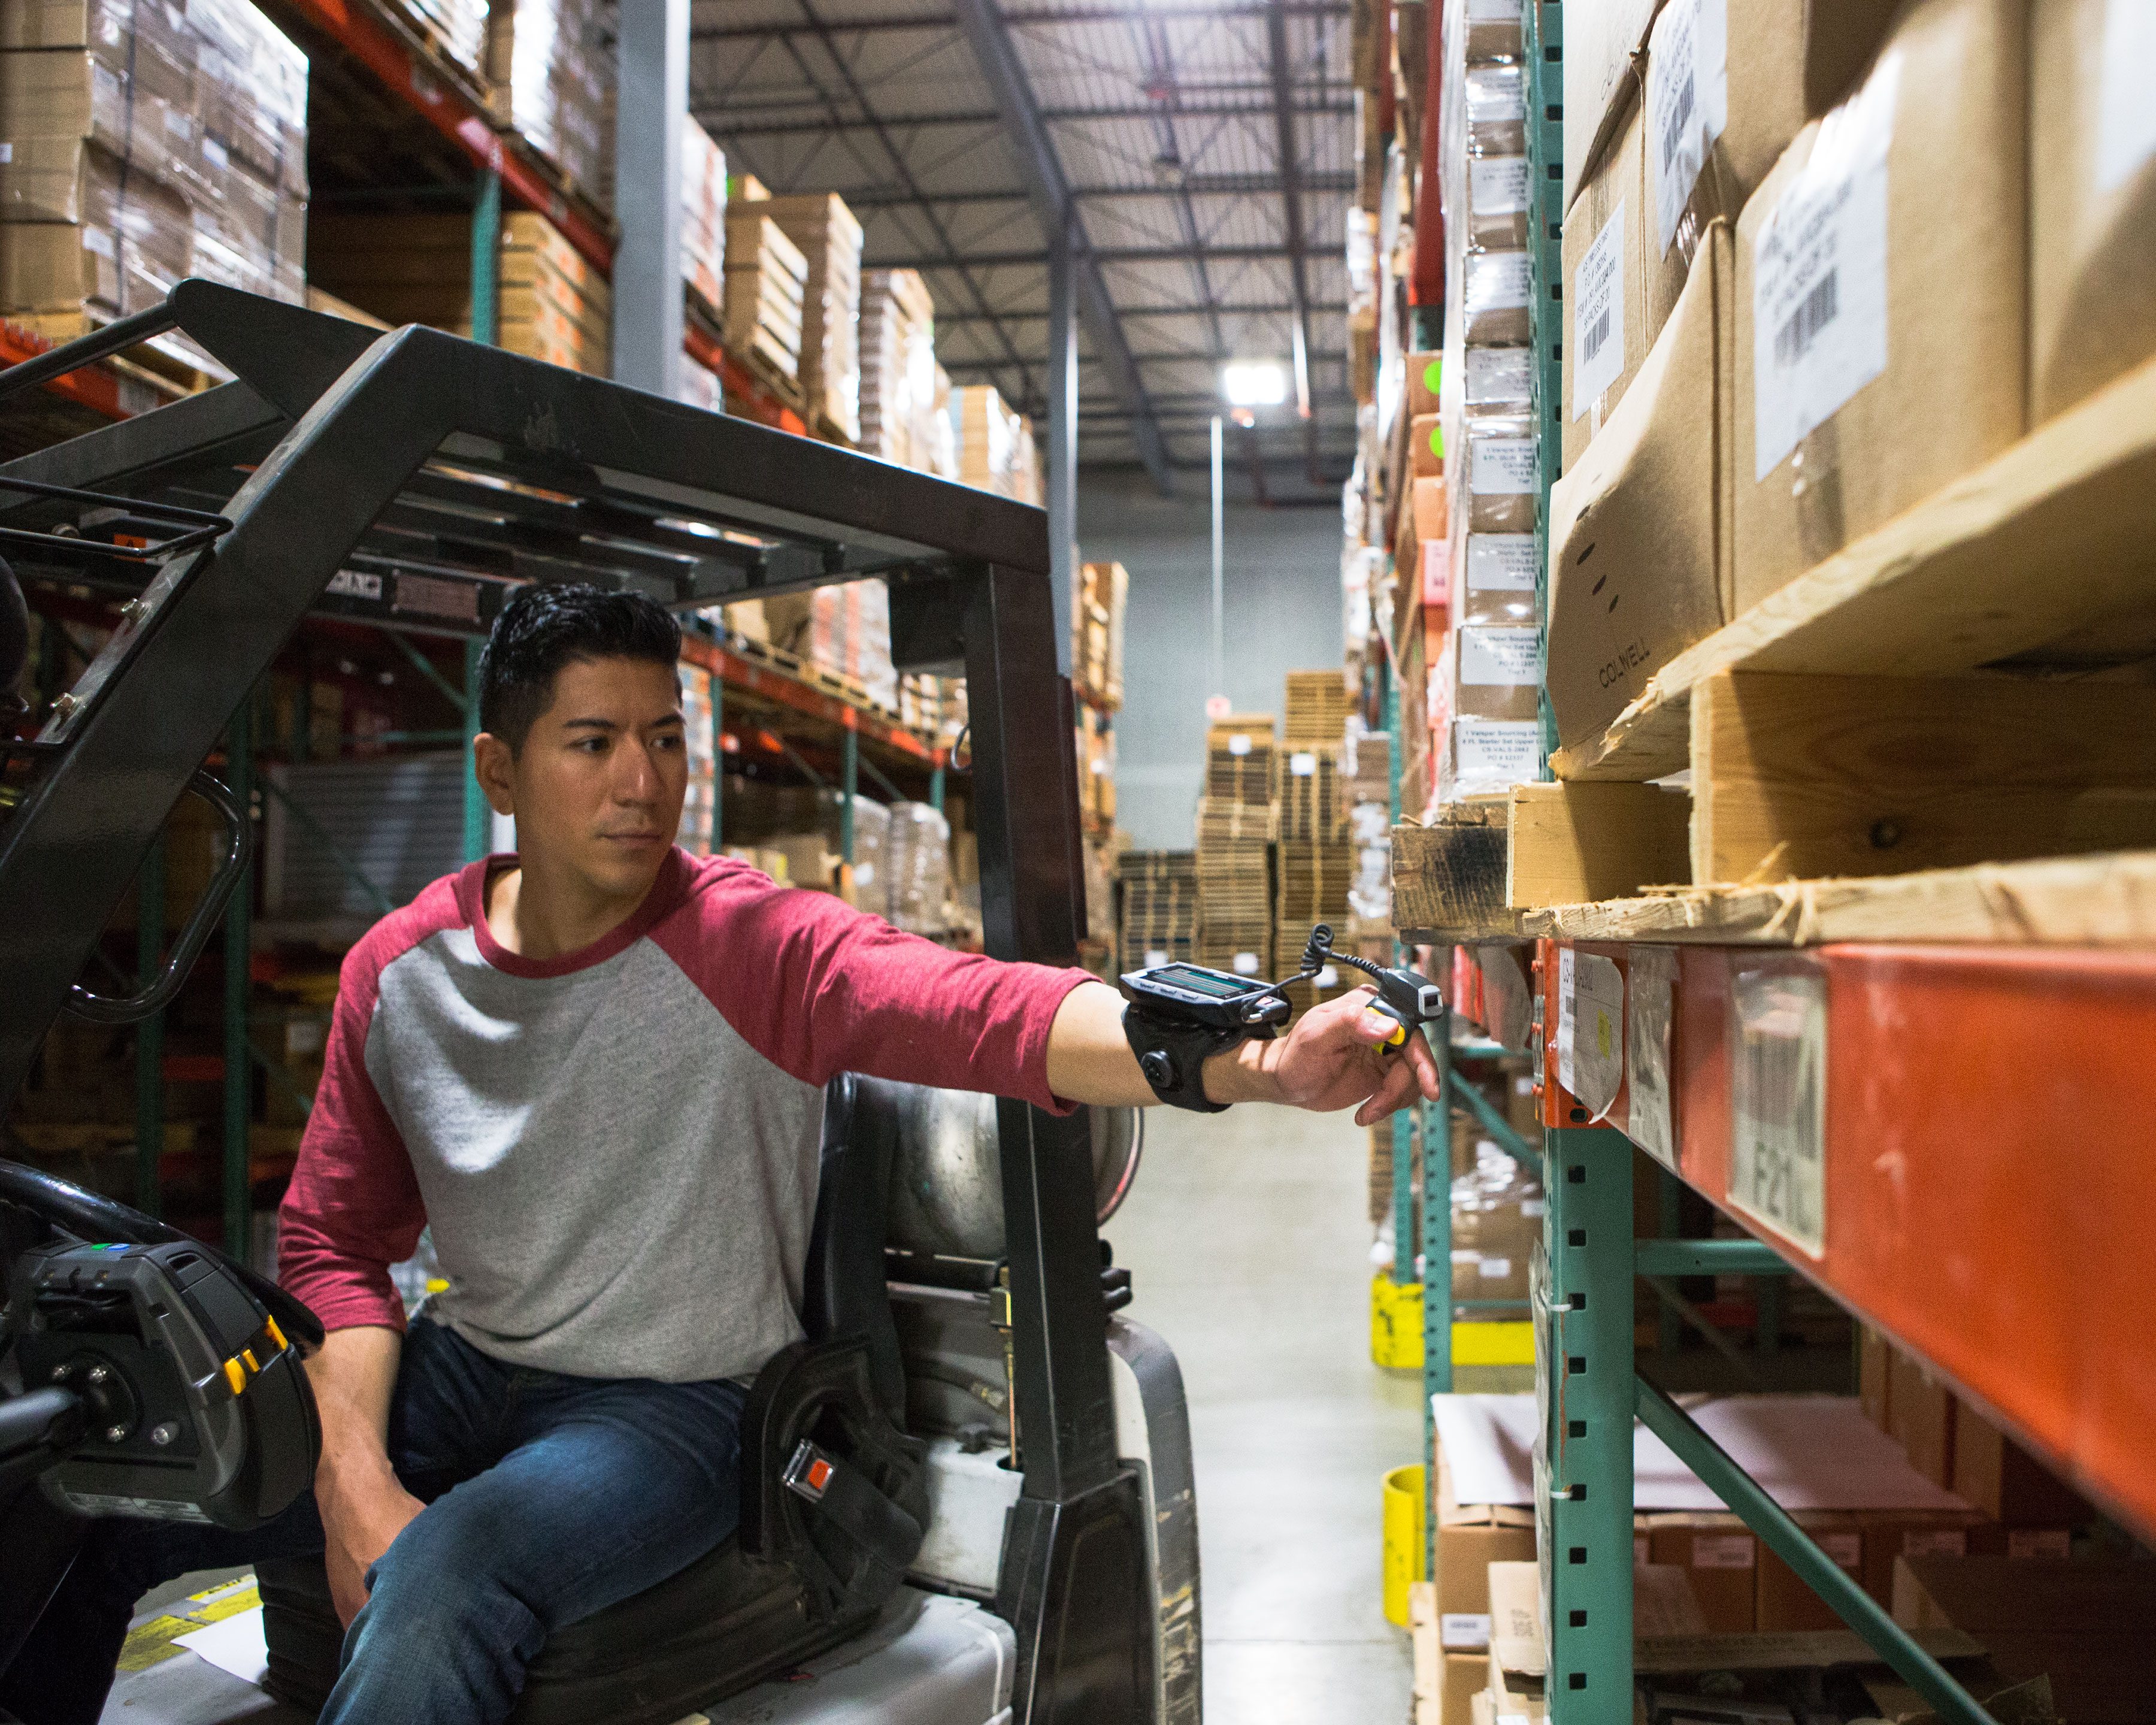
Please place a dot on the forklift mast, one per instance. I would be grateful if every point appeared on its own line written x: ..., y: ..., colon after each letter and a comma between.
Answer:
x: 408, y: 475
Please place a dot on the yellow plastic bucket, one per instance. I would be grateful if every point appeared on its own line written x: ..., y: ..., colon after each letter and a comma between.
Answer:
x: 1395, y: 1322
x: 1406, y: 1505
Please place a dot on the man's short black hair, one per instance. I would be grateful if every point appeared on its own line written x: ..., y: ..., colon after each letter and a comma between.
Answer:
x: 543, y: 628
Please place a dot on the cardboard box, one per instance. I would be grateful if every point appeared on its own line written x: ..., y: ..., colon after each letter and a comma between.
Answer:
x: 2091, y: 198
x: 1602, y: 43
x: 1720, y: 1557
x: 1840, y: 39
x: 2006, y: 1481
x: 1498, y: 579
x: 1786, y: 1602
x: 1605, y: 317
x: 1641, y: 563
x: 1868, y: 376
x: 1891, y: 1534
x: 1724, y: 96
x: 1920, y: 1410
x: 2085, y: 1625
x: 1426, y: 446
x: 1426, y: 378
x: 1428, y: 503
x: 1470, y: 1539
x: 1495, y: 673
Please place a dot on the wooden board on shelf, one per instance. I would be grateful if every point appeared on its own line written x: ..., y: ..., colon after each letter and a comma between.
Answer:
x: 1569, y: 843
x: 1449, y: 879
x: 2043, y: 558
x: 2107, y: 901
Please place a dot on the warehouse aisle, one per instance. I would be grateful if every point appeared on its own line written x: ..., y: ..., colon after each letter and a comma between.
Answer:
x: 1244, y: 1235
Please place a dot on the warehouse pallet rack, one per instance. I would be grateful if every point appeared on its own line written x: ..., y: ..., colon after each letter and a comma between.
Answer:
x: 335, y: 444
x: 1839, y: 1065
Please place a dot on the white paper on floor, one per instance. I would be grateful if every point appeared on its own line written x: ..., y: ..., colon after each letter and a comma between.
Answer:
x: 1807, y: 1451
x: 235, y: 1644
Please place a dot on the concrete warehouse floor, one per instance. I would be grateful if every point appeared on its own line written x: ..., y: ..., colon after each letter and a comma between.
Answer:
x: 1248, y: 1250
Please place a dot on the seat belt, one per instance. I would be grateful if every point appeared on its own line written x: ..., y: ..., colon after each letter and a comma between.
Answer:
x: 843, y: 1497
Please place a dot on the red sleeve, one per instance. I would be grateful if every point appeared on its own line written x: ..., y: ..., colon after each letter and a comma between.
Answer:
x: 819, y: 988
x: 353, y: 1208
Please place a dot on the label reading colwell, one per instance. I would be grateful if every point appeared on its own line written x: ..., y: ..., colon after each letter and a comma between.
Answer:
x: 1501, y: 563
x: 1818, y: 275
x: 1688, y: 102
x: 1598, y: 314
x: 1504, y: 466
x: 1778, y: 1102
x: 1497, y: 185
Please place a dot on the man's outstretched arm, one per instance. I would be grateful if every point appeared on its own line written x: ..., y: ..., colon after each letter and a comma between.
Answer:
x: 1330, y: 1060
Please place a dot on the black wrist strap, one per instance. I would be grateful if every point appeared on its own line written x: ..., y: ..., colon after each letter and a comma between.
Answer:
x: 1172, y: 1056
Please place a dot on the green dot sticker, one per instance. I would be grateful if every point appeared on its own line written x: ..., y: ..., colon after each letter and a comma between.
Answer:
x: 1433, y: 373
x: 1437, y: 440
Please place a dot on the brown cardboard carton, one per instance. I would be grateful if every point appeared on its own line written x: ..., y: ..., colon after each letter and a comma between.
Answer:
x: 1425, y: 373
x: 1426, y: 446
x: 1470, y: 1539
x: 1891, y: 1534
x: 1841, y: 37
x: 1429, y: 516
x: 2007, y: 1482
x: 1639, y: 557
x: 1724, y: 95
x: 1920, y: 1412
x: 1720, y: 1557
x: 1603, y: 42
x: 1605, y: 319
x: 1495, y: 673
x: 2091, y: 197
x: 1875, y: 1362
x: 2085, y: 1625
x: 1881, y: 298
x: 1786, y: 1601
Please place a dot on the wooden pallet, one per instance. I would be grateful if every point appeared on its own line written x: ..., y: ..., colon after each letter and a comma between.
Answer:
x: 851, y: 690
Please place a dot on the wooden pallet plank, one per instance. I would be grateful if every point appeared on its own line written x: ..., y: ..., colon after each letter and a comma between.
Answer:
x: 2107, y: 901
x: 1450, y: 879
x: 2045, y: 556
x: 1569, y: 843
x: 1806, y: 777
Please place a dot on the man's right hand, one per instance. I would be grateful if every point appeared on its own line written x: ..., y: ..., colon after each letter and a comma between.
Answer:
x: 363, y: 1505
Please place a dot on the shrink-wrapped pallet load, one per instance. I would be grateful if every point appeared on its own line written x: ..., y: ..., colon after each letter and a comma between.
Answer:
x: 555, y: 60
x: 766, y: 281
x: 829, y: 239
x: 703, y: 218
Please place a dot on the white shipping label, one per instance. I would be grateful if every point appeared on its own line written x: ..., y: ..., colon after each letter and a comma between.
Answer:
x: 1496, y: 281
x: 1494, y: 1269
x: 1688, y: 102
x: 1497, y: 185
x: 1247, y: 964
x: 1498, y: 374
x: 1650, y: 980
x: 1846, y: 1549
x: 1778, y: 1102
x: 1598, y: 314
x: 6, y: 152
x: 1327, y: 978
x: 1495, y: 754
x: 1464, y: 1631
x: 1590, y: 1028
x: 1532, y: 1208
x: 1493, y: 11
x: 1499, y: 658
x: 1238, y: 744
x: 96, y: 239
x: 1722, y: 1551
x: 1154, y: 956
x: 2126, y: 115
x: 1504, y: 466
x: 216, y: 155
x: 1501, y: 563
x: 1302, y: 764
x: 1819, y: 275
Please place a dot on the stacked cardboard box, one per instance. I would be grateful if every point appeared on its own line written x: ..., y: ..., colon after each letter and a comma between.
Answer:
x: 1158, y: 920
x: 898, y: 364
x: 990, y: 452
x: 766, y: 285
x: 1366, y: 790
x: 457, y: 27
x: 140, y: 146
x: 554, y: 306
x: 703, y: 219
x: 1316, y: 866
x: 1099, y: 600
x: 829, y: 239
x: 555, y: 58
x: 1097, y: 767
x: 1238, y: 820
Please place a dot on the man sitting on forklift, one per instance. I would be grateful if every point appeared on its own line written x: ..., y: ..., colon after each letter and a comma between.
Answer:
x: 595, y: 1068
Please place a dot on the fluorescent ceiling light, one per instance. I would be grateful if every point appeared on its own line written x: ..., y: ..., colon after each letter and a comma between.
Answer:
x: 1255, y: 382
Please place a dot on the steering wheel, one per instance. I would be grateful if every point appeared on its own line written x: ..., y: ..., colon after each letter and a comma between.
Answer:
x: 93, y: 1217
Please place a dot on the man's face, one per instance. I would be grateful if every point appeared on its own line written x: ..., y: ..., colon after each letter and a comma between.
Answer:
x: 596, y: 787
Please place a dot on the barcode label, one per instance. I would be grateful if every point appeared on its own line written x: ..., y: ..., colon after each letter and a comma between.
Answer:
x: 1597, y: 290
x: 1674, y: 122
x: 1813, y: 313
x: 1820, y: 275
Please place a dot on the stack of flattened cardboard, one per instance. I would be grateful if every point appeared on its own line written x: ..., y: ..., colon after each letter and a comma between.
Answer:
x: 1158, y: 917
x: 829, y: 239
x: 766, y: 286
x: 898, y: 365
x: 554, y: 60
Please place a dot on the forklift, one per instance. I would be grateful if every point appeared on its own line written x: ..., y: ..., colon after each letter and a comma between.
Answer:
x: 1005, y: 1527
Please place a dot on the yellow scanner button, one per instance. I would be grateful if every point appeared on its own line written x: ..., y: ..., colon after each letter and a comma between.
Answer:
x: 236, y: 1375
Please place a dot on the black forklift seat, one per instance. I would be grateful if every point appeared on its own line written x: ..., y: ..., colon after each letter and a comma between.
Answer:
x: 801, y: 1575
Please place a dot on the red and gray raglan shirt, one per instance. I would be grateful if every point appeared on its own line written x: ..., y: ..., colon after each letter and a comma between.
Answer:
x: 616, y: 1150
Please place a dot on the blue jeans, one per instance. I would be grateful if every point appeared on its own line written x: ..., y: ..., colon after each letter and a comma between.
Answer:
x: 549, y: 1498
